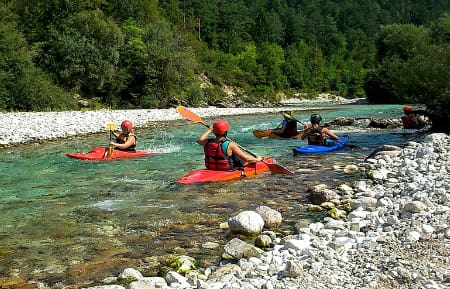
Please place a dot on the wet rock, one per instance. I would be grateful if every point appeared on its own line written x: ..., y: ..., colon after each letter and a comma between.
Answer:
x: 263, y: 241
x: 131, y: 273
x: 246, y: 223
x: 385, y: 123
x: 238, y: 249
x: 317, y: 195
x: 174, y: 277
x: 148, y: 283
x: 183, y: 264
x: 271, y: 217
x: 341, y: 121
x: 391, y: 150
x: 336, y: 213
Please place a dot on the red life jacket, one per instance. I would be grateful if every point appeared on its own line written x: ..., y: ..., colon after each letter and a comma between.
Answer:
x: 409, y: 122
x: 215, y: 157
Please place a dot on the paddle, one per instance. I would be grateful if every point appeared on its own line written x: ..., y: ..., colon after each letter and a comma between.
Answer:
x: 110, y: 127
x: 189, y: 115
x: 344, y: 144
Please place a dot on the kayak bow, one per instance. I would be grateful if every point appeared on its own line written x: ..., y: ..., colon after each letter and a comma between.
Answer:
x: 101, y: 154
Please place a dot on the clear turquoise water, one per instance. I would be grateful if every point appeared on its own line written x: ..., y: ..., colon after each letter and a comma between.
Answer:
x: 76, y: 222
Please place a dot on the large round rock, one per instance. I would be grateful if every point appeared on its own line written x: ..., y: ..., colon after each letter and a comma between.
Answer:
x: 246, y: 223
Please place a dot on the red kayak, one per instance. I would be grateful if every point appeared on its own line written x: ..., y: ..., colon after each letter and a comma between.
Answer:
x: 101, y: 154
x: 204, y: 175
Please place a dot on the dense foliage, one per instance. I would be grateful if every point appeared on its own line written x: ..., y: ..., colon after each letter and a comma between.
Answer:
x: 57, y: 54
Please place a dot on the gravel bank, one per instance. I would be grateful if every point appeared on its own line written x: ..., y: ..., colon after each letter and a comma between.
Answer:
x: 396, y: 236
x: 26, y: 127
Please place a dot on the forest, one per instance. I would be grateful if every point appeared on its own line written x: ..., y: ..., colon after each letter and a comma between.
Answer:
x: 70, y: 55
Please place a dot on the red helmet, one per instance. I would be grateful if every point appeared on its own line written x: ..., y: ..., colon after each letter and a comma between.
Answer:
x: 127, y: 124
x: 220, y: 127
x: 407, y: 109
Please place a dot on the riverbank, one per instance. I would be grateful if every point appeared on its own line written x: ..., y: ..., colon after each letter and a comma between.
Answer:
x: 33, y: 127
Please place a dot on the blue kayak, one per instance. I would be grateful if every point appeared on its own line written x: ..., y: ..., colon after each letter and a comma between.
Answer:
x: 331, y: 146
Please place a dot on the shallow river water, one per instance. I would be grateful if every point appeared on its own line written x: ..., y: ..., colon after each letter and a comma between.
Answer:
x: 67, y: 222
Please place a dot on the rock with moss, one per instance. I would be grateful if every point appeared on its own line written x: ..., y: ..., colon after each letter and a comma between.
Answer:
x: 183, y: 264
x: 336, y: 213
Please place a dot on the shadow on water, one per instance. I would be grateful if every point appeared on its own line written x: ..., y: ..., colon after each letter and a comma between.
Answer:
x: 74, y: 222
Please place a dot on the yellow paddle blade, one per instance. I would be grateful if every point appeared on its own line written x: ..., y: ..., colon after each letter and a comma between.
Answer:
x: 110, y: 126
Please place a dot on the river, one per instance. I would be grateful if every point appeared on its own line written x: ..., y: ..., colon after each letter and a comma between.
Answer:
x: 68, y: 223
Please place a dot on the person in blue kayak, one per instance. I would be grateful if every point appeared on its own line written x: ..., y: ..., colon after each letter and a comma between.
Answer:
x: 220, y: 153
x: 288, y: 127
x: 316, y: 134
x: 126, y: 140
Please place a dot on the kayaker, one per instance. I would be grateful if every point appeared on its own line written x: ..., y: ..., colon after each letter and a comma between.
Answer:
x: 220, y: 153
x: 288, y: 126
x: 316, y: 134
x: 126, y: 140
x: 411, y: 120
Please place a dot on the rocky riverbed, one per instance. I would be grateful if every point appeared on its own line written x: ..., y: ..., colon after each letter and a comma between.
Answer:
x: 395, y: 234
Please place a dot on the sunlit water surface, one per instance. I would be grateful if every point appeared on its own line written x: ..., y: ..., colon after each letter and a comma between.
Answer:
x: 72, y: 222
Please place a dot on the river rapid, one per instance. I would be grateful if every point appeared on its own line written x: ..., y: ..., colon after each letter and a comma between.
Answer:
x: 71, y: 223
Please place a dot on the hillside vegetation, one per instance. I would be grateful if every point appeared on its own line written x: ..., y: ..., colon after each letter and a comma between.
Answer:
x: 61, y: 54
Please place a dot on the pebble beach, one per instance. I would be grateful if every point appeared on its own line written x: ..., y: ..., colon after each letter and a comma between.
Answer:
x: 397, y: 234
x: 28, y: 127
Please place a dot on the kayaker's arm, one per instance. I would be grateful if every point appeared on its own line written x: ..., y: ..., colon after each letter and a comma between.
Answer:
x: 304, y: 132
x: 330, y: 134
x: 116, y: 134
x: 203, y: 139
x: 234, y: 149
x: 130, y: 141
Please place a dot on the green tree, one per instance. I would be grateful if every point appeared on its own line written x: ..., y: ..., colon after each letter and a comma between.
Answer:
x: 416, y: 73
x: 142, y: 11
x: 295, y: 68
x: 156, y: 65
x: 23, y: 86
x: 271, y: 57
x: 84, y: 54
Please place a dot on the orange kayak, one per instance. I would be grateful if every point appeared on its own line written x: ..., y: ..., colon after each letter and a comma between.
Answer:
x: 100, y: 154
x: 204, y: 175
x: 267, y: 133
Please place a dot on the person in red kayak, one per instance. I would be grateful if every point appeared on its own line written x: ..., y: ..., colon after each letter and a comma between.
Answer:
x: 316, y: 134
x: 411, y: 119
x: 126, y: 140
x: 220, y: 153
x: 288, y: 127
